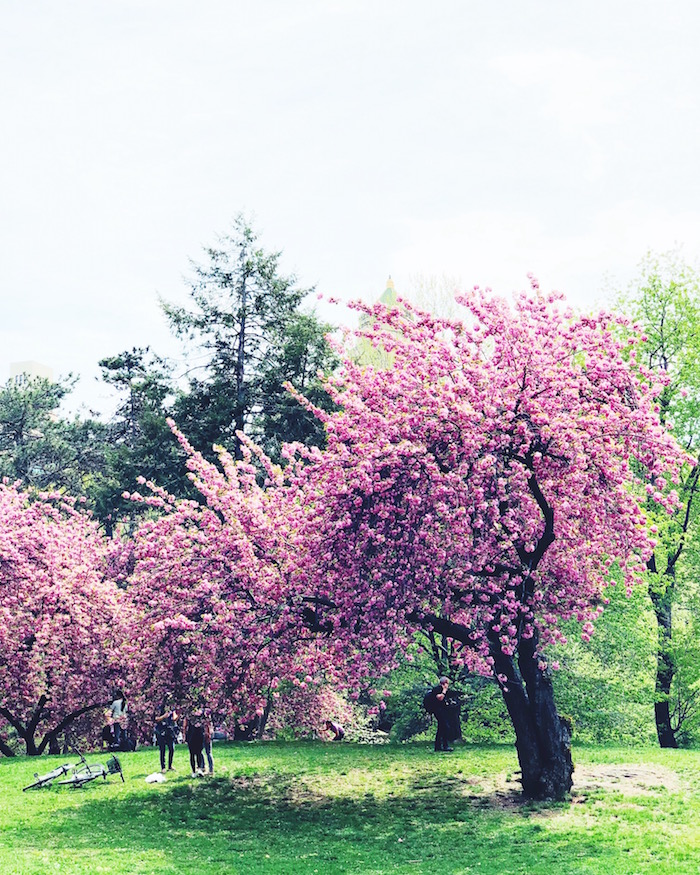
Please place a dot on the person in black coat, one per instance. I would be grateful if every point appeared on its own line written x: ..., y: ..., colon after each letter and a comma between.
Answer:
x: 166, y: 732
x: 440, y: 709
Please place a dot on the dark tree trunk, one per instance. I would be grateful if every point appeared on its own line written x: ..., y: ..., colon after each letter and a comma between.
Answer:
x: 542, y: 737
x: 5, y: 749
x: 32, y: 749
x: 665, y: 669
x: 265, y: 716
x: 27, y: 733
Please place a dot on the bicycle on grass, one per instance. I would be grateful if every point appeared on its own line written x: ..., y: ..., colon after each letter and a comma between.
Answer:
x: 79, y: 773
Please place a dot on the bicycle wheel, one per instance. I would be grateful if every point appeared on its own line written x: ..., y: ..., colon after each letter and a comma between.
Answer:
x: 48, y: 778
x: 41, y: 781
x: 84, y: 775
x: 78, y: 780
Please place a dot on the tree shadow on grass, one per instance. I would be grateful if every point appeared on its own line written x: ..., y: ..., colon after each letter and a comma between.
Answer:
x: 275, y: 824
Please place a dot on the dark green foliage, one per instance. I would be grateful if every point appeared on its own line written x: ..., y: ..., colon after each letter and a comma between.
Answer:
x: 405, y: 713
x: 250, y: 335
x: 298, y: 354
x: 37, y: 446
x: 138, y: 440
x: 482, y: 710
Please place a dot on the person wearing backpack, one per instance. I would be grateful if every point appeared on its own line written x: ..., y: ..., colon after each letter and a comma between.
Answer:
x: 435, y: 704
x: 166, y: 731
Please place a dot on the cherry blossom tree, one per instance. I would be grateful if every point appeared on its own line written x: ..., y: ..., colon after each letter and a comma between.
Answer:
x: 481, y: 487
x: 59, y: 618
x: 216, y: 618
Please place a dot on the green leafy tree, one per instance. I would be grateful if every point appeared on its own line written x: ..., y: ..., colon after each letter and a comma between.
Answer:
x: 246, y: 324
x: 684, y: 700
x: 483, y: 715
x: 138, y: 441
x: 298, y: 355
x: 37, y: 446
x: 664, y: 307
x: 606, y: 685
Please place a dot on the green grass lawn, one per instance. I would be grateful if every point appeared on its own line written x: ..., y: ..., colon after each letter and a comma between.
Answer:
x: 325, y: 808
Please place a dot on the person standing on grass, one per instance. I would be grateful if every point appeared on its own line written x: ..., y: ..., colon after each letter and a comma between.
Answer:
x: 117, y: 713
x: 166, y: 732
x: 208, y: 737
x: 440, y: 710
x: 194, y: 736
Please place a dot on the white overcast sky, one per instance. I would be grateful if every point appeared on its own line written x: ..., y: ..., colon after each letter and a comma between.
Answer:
x: 480, y: 139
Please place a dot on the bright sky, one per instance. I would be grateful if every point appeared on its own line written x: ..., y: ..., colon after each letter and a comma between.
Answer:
x: 364, y: 138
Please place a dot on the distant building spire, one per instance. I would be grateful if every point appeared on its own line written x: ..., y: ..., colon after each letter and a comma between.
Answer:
x: 388, y: 296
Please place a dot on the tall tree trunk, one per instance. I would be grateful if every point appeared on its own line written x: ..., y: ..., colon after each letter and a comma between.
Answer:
x: 665, y: 668
x: 542, y: 737
x: 32, y: 749
x: 265, y: 715
x: 239, y: 416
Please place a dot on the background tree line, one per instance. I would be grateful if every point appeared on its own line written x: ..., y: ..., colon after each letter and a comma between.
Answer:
x: 247, y: 331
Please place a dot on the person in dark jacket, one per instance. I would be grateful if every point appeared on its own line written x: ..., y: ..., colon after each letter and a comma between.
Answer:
x: 166, y: 732
x: 194, y: 736
x: 440, y: 709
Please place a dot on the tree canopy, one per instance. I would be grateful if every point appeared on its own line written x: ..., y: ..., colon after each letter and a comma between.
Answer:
x: 40, y: 448
x: 480, y: 486
x: 663, y: 309
x: 60, y: 617
x: 249, y: 335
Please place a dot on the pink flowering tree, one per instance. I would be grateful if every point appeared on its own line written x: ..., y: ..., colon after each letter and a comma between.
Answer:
x: 302, y: 712
x: 216, y: 619
x: 59, y: 618
x: 482, y: 486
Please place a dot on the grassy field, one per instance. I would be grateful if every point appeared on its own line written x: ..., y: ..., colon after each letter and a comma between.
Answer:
x: 302, y: 808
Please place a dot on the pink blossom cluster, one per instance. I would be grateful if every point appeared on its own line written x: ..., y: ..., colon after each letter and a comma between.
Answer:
x: 217, y: 614
x: 60, y: 614
x: 490, y: 477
